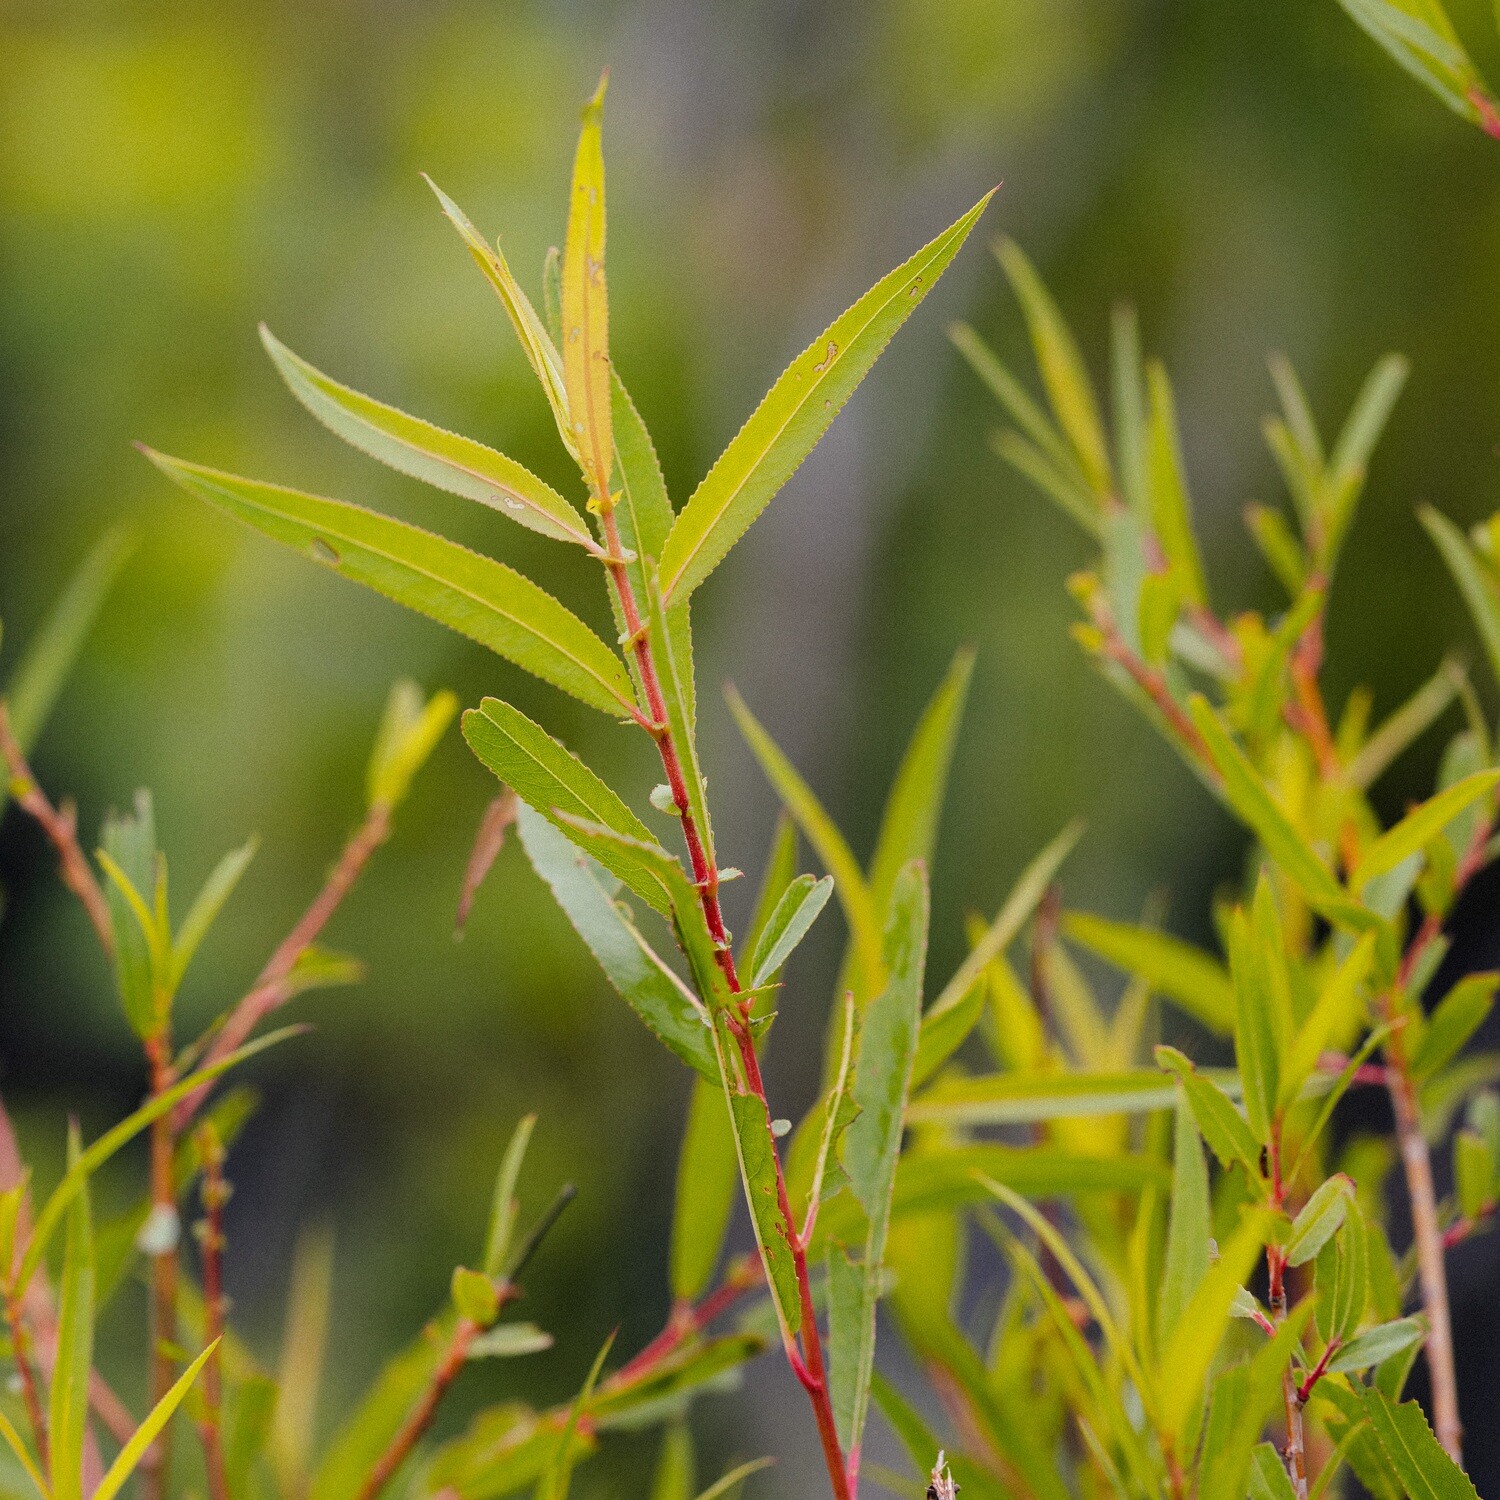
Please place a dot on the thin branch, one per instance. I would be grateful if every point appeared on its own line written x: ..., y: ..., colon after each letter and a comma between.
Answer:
x: 215, y: 1194
x: 20, y: 1347
x: 807, y: 1364
x: 61, y: 827
x: 156, y: 1465
x: 273, y: 987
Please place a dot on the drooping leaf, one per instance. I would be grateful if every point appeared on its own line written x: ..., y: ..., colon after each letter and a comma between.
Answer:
x: 427, y: 452
x: 551, y: 780
x: 1019, y: 1099
x: 669, y: 1009
x: 585, y: 307
x: 1221, y: 1124
x: 796, y: 413
x: 1194, y: 979
x: 474, y: 595
x: 1475, y: 578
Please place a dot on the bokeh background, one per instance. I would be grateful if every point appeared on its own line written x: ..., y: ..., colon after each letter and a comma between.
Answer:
x: 1256, y: 176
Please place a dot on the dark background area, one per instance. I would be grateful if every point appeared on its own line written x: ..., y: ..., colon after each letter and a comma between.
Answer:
x: 1255, y: 176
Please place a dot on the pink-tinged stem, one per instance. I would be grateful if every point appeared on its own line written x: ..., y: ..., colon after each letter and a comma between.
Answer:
x: 215, y: 1194
x: 61, y: 827
x: 808, y: 1364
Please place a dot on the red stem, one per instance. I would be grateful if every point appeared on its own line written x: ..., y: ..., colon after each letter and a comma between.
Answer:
x: 808, y: 1366
x: 20, y: 1344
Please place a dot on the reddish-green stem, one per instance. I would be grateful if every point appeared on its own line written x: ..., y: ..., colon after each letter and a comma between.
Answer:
x: 215, y: 1194
x: 20, y: 1347
x: 163, y: 1367
x: 807, y: 1364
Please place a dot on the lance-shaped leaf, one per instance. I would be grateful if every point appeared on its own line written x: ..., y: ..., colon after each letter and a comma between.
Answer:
x: 530, y: 330
x: 129, y: 839
x: 1268, y: 1477
x: 128, y: 1459
x: 1420, y: 827
x: 428, y: 452
x: 585, y: 307
x: 1222, y: 1125
x: 1194, y: 979
x: 68, y: 1409
x: 503, y: 1202
x: 1319, y: 1219
x: 33, y: 686
x: 1255, y: 1048
x: 871, y: 1146
x: 821, y: 832
x: 796, y: 413
x: 1334, y: 1019
x: 644, y: 515
x: 410, y: 729
x: 1422, y: 40
x: 789, y: 923
x: 1022, y: 1098
x: 706, y: 1174
x: 1247, y: 796
x: 550, y: 779
x: 669, y: 1009
x: 1171, y: 509
x: 1376, y: 1345
x: 755, y: 1145
x: 1063, y: 372
x: 475, y: 595
x: 1475, y: 578
x: 207, y: 905
x: 1189, y: 1226
x: 1461, y: 1013
x: 1425, y: 1471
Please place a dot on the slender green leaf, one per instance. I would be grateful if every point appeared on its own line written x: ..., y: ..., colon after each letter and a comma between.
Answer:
x: 207, y: 905
x: 130, y: 841
x: 128, y: 1459
x: 1319, y: 1219
x: 1189, y: 1225
x: 872, y: 1143
x: 736, y: 1476
x: 552, y: 781
x: 1419, y: 827
x: 34, y: 685
x: 1378, y: 1344
x: 1268, y: 1476
x: 1020, y: 1099
x: 674, y: 1465
x: 1255, y: 1045
x: 427, y: 452
x: 503, y: 1204
x: 1222, y: 1125
x: 68, y: 1405
x: 1460, y: 1014
x: 788, y: 423
x: 17, y: 1446
x: 1408, y: 722
x: 1171, y: 510
x: 1475, y: 578
x: 474, y: 595
x: 409, y: 732
x: 1413, y: 1452
x: 788, y: 924
x: 585, y: 307
x: 1335, y: 1017
x: 669, y: 1009
x: 1063, y: 372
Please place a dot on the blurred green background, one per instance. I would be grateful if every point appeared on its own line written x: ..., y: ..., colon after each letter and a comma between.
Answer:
x: 1255, y: 175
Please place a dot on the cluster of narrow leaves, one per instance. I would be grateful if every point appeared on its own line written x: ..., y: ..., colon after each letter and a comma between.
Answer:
x: 1241, y: 1280
x: 1419, y: 35
x: 610, y: 864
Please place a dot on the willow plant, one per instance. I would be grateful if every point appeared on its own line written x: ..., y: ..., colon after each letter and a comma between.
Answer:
x: 1124, y: 1354
x: 584, y: 838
